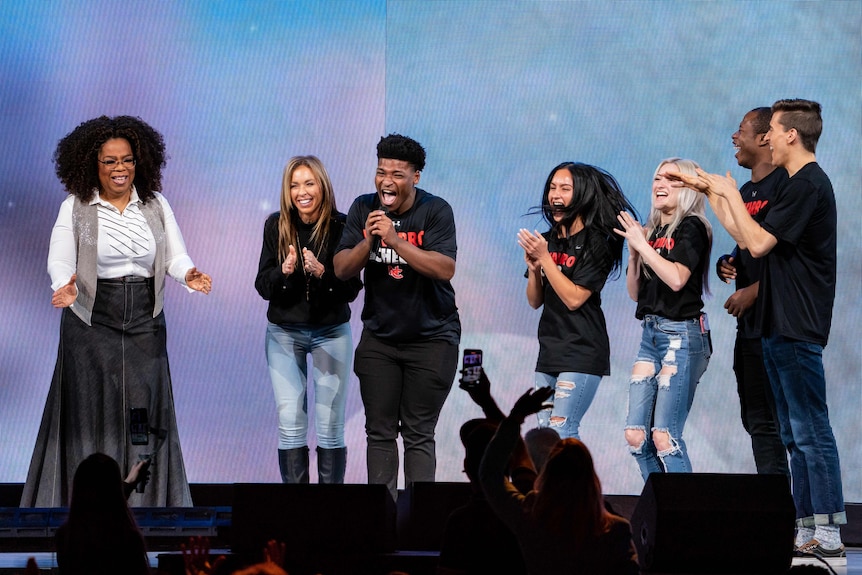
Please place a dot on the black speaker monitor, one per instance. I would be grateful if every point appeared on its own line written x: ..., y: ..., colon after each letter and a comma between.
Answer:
x: 714, y: 523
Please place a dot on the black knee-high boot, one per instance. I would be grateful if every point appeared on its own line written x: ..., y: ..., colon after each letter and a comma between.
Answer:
x: 331, y: 464
x: 293, y: 464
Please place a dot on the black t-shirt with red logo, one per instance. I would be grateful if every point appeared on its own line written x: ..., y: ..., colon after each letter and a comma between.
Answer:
x: 797, y: 283
x: 689, y: 246
x: 757, y: 197
x: 401, y: 303
x: 575, y: 341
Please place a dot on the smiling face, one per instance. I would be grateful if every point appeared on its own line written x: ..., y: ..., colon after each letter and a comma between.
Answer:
x: 779, y: 140
x: 665, y: 196
x: 305, y: 194
x: 560, y: 192
x: 116, y: 181
x: 746, y: 142
x: 396, y: 181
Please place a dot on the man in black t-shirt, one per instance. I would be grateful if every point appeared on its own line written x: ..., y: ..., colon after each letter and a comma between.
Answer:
x: 404, y: 239
x: 798, y: 242
x: 755, y: 395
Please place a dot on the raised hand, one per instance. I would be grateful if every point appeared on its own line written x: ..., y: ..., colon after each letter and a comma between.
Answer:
x: 196, y: 557
x: 531, y: 402
x: 65, y: 296
x: 274, y: 552
x: 199, y: 281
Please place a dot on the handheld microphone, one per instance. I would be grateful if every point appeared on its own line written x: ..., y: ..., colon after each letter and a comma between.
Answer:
x: 375, y: 240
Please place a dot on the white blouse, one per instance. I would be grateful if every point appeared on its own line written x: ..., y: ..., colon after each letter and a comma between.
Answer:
x: 126, y: 245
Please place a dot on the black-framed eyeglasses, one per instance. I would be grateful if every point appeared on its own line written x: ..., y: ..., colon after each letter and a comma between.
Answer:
x: 112, y: 163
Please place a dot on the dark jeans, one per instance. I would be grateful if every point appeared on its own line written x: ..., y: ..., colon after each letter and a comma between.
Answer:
x: 798, y: 383
x: 403, y: 387
x: 758, y: 407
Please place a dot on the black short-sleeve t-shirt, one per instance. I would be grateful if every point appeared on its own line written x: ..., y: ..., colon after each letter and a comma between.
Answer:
x: 575, y: 340
x: 757, y: 197
x: 797, y: 284
x: 689, y: 246
x: 401, y: 303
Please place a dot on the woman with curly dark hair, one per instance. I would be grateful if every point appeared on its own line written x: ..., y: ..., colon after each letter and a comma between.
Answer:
x: 114, y: 241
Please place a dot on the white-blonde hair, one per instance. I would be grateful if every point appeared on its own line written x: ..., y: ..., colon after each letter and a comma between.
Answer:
x: 689, y: 203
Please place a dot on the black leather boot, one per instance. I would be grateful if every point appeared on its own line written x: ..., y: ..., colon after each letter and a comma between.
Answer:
x: 293, y: 464
x: 331, y: 464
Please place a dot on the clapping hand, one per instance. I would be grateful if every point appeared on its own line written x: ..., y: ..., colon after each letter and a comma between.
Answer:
x: 632, y: 231
x: 288, y: 266
x: 312, y: 266
x: 534, y: 245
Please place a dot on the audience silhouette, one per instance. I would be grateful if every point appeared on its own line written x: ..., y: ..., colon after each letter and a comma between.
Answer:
x: 562, y: 526
x: 475, y: 540
x: 100, y: 535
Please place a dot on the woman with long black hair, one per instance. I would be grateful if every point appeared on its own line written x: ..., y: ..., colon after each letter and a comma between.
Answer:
x: 567, y: 267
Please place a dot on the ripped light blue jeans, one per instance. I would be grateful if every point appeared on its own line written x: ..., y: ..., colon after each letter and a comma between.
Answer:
x: 574, y: 392
x: 331, y: 349
x: 672, y: 358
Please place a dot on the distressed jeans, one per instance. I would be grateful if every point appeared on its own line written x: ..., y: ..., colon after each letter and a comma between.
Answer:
x: 574, y: 392
x: 795, y: 370
x: 287, y: 349
x: 661, y: 401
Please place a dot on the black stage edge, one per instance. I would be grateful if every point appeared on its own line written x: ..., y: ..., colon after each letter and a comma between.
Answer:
x: 403, y: 536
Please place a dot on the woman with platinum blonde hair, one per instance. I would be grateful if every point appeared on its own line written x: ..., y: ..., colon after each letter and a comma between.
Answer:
x: 667, y: 277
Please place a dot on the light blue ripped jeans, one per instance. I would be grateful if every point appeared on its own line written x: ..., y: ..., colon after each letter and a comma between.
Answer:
x: 672, y: 358
x: 331, y: 349
x: 573, y: 394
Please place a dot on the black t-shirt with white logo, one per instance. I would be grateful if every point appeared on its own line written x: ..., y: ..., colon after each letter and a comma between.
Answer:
x: 797, y: 284
x: 689, y: 246
x: 575, y: 341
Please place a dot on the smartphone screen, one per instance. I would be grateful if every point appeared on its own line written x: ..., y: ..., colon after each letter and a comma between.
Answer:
x: 139, y: 426
x: 472, y: 365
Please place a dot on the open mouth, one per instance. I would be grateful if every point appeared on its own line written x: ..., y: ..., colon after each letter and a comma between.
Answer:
x: 120, y: 180
x: 387, y: 197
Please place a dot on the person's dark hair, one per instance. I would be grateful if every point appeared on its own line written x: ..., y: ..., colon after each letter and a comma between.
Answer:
x: 76, y: 156
x: 597, y: 198
x: 760, y: 121
x: 804, y: 117
x: 475, y: 434
x: 540, y: 441
x: 398, y: 147
x: 569, y: 494
x: 100, y: 520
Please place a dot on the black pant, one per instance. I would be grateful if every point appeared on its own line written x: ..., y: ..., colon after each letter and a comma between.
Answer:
x: 403, y: 387
x: 758, y: 407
